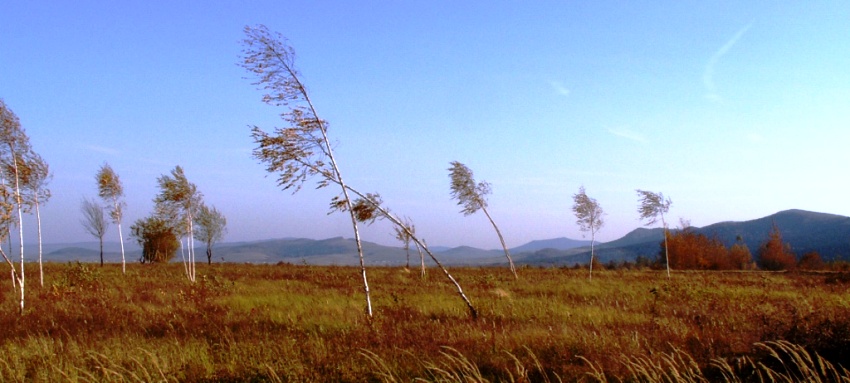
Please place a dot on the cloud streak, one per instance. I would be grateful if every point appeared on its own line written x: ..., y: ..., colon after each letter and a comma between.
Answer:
x: 559, y: 88
x: 628, y: 134
x: 708, y: 73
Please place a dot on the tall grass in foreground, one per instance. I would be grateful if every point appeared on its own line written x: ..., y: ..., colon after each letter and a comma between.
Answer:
x: 287, y: 323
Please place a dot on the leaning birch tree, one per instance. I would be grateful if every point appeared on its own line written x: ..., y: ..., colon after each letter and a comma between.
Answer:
x: 588, y: 218
x: 14, y: 145
x: 179, y: 201
x: 110, y: 189
x: 473, y: 197
x: 653, y: 206
x: 301, y: 148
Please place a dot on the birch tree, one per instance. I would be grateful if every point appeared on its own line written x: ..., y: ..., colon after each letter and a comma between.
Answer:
x: 404, y: 234
x: 179, y: 201
x: 301, y: 149
x: 94, y: 221
x: 111, y: 190
x: 14, y: 143
x: 35, y: 177
x: 473, y: 197
x: 588, y: 218
x: 653, y: 206
x: 210, y: 226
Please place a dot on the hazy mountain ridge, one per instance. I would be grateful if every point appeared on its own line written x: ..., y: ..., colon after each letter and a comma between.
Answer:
x: 805, y: 231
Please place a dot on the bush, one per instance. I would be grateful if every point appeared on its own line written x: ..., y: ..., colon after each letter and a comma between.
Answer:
x: 774, y: 254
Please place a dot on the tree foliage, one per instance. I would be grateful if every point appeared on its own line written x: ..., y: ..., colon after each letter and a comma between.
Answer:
x: 157, y: 237
x: 651, y: 207
x: 690, y: 250
x: 94, y: 221
x: 588, y: 214
x: 472, y: 197
x: 178, y: 202
x: 111, y: 190
x: 210, y: 227
x: 774, y: 254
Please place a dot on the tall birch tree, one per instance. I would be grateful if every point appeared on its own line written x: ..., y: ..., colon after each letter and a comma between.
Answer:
x: 14, y: 145
x: 588, y: 218
x: 179, y: 201
x: 301, y: 149
x: 35, y: 177
x: 651, y: 207
x: 110, y: 189
x: 94, y: 221
x: 473, y: 197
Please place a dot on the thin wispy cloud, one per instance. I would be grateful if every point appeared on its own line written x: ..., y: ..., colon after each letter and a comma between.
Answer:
x: 628, y: 134
x: 708, y: 73
x: 559, y: 88
x: 103, y: 150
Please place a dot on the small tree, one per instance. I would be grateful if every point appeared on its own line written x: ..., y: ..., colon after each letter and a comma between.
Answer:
x: 402, y: 235
x: 774, y: 254
x: 111, y: 191
x: 157, y: 238
x: 211, y: 226
x: 94, y: 221
x: 651, y: 207
x: 588, y: 218
x: 473, y: 197
x: 811, y: 261
x: 178, y: 202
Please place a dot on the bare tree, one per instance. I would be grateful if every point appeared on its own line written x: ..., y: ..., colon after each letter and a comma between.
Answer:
x: 211, y: 226
x: 401, y: 235
x: 94, y: 221
x: 111, y: 190
x: 473, y: 197
x: 302, y: 149
x: 179, y: 201
x: 652, y: 207
x: 588, y: 218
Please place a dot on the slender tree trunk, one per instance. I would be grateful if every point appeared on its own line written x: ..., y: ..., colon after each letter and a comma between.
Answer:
x: 191, y: 243
x: 421, y: 261
x: 101, y: 251
x: 591, y: 256
x: 472, y: 311
x: 38, y: 221
x: 209, y: 254
x: 502, y: 240
x: 20, y: 223
x: 121, y: 240
x: 666, y: 253
x: 183, y: 257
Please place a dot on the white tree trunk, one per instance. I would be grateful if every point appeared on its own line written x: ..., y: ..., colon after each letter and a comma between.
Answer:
x: 121, y: 239
x: 502, y: 240
x: 38, y: 220
x: 22, y: 278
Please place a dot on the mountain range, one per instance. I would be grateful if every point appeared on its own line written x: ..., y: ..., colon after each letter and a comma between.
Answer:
x: 805, y: 231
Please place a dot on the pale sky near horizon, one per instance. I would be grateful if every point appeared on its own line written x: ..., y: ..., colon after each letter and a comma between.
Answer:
x: 735, y: 110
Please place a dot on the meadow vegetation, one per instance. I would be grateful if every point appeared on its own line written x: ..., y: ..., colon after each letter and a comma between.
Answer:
x: 242, y: 322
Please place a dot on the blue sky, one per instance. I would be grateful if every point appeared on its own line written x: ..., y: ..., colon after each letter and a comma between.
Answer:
x: 735, y: 110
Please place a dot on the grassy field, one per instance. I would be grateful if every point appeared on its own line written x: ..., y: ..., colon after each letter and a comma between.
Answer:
x: 286, y: 323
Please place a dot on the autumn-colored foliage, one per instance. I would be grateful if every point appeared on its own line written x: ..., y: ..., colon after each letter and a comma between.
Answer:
x: 811, y: 261
x: 689, y: 250
x: 774, y: 254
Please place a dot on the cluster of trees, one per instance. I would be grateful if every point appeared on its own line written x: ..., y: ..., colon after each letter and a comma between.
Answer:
x: 689, y: 250
x: 24, y: 176
x: 179, y: 214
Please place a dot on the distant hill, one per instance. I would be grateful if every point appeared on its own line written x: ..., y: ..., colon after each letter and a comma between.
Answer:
x: 805, y: 231
x: 562, y: 243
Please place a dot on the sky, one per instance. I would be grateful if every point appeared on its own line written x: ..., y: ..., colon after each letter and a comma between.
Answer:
x: 734, y: 110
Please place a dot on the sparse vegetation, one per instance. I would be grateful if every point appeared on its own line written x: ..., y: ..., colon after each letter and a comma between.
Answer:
x: 303, y: 323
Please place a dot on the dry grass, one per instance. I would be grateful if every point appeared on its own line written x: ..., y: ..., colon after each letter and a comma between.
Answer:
x: 304, y: 323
